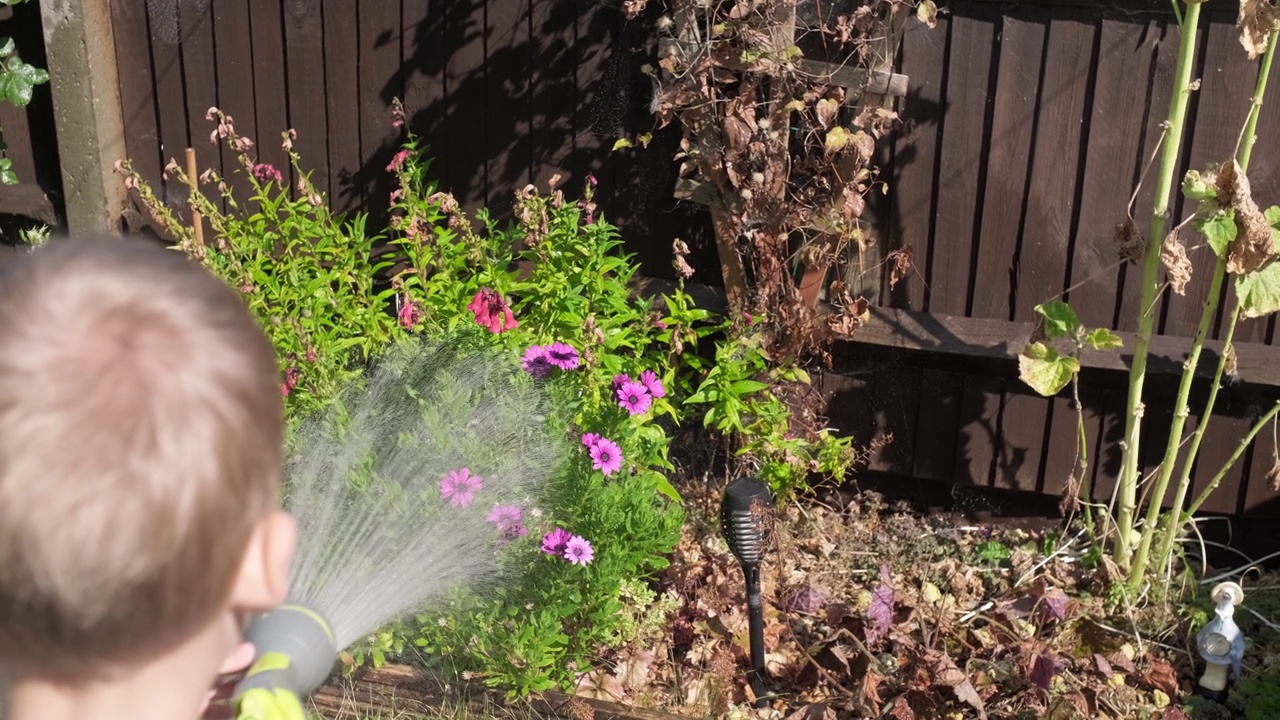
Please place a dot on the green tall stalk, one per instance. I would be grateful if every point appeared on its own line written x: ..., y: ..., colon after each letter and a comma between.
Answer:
x: 1128, y: 487
x: 1235, y: 456
x: 1247, y: 140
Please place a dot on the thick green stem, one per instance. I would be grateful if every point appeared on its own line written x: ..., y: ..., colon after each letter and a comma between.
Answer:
x: 1176, y: 521
x: 1213, y: 484
x: 1128, y: 488
x: 1180, y: 411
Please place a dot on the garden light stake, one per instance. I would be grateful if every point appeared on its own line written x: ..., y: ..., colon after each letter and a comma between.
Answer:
x: 744, y: 518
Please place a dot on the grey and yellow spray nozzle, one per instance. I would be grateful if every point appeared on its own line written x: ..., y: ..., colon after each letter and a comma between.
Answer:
x: 295, y: 652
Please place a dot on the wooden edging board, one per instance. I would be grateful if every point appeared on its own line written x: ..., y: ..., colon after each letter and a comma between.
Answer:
x: 395, y: 690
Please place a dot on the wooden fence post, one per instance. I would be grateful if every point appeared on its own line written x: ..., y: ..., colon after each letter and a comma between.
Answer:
x: 86, y: 105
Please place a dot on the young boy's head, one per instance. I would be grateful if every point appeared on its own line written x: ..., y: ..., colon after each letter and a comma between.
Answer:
x: 140, y: 457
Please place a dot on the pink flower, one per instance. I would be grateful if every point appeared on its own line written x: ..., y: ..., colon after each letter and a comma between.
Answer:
x: 617, y: 383
x: 290, y: 381
x: 555, y: 542
x: 634, y: 398
x: 536, y: 362
x: 652, y: 383
x: 592, y: 179
x: 397, y: 160
x: 590, y: 439
x: 507, y: 518
x: 491, y: 311
x: 563, y: 356
x: 409, y: 315
x: 311, y: 354
x: 266, y: 173
x: 395, y: 196
x: 578, y: 551
x: 460, y: 487
x: 606, y: 456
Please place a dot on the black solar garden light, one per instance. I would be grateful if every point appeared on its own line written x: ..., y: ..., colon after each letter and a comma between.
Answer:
x: 744, y: 518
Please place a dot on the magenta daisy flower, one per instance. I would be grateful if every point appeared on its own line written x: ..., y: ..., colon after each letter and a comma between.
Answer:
x: 554, y: 542
x: 618, y: 382
x: 536, y: 362
x: 652, y: 383
x: 578, y: 551
x: 590, y: 439
x: 563, y: 356
x: 505, y: 515
x: 460, y: 487
x: 634, y: 398
x: 606, y: 456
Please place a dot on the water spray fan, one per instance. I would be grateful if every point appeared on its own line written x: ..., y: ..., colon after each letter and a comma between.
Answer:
x: 406, y: 491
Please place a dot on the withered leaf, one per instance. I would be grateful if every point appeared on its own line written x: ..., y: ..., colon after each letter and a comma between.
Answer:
x: 946, y: 673
x: 1104, y: 667
x: 1252, y: 247
x: 1174, y: 712
x: 816, y: 711
x: 828, y: 109
x: 1273, y: 475
x: 853, y: 205
x: 1132, y: 246
x: 1176, y: 263
x: 1256, y: 21
x: 1161, y: 676
x: 901, y: 259
x: 1230, y: 367
x: 871, y: 690
x: 864, y: 144
x: 1043, y: 668
x: 737, y: 132
x: 901, y: 709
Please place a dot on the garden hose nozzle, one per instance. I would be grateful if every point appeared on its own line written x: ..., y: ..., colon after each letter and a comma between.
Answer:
x: 295, y: 652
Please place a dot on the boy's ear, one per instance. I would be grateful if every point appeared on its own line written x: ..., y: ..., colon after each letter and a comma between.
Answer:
x: 263, y: 580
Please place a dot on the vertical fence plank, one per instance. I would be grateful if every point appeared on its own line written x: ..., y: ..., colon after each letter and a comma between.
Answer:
x: 137, y: 99
x: 1260, y: 500
x: 200, y: 67
x: 978, y: 450
x: 1110, y: 168
x: 963, y: 157
x: 270, y: 96
x: 1221, y: 440
x: 915, y: 158
x: 304, y: 58
x: 1004, y: 195
x: 468, y: 113
x: 552, y: 88
x: 937, y: 425
x: 1161, y: 89
x: 171, y: 102
x: 235, y: 94
x: 509, y: 67
x: 342, y: 87
x: 423, y: 67
x: 591, y: 156
x: 380, y: 80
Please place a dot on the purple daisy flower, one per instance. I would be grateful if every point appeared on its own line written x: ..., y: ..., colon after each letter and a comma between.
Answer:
x: 536, y: 361
x: 653, y: 384
x: 578, y: 551
x: 507, y: 518
x: 554, y: 542
x: 460, y: 487
x: 590, y: 439
x: 606, y: 456
x: 618, y: 382
x: 563, y: 356
x: 634, y: 398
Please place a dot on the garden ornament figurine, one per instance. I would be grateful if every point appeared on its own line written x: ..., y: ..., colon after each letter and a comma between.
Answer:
x: 1220, y: 642
x: 744, y: 521
x: 296, y: 651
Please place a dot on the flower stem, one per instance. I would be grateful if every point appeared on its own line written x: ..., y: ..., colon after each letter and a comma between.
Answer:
x: 1128, y: 487
x: 1213, y: 484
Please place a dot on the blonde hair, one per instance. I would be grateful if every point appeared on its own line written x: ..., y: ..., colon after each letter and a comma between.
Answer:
x: 140, y: 442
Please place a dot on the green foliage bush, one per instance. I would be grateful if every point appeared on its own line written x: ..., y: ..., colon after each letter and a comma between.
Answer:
x: 332, y: 294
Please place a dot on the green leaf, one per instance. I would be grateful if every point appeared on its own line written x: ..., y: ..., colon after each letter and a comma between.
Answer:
x: 621, y: 143
x: 1219, y: 231
x: 1059, y: 319
x: 666, y: 488
x: 1272, y: 214
x: 1049, y: 374
x: 746, y: 387
x: 7, y: 47
x: 8, y: 177
x: 1196, y: 187
x: 1259, y: 292
x: 837, y: 138
x: 1103, y: 339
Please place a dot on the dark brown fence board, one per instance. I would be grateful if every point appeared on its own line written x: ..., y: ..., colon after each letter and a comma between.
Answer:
x: 554, y: 25
x: 304, y: 59
x: 1004, y: 195
x: 1110, y: 167
x: 936, y: 424
x: 17, y: 134
x: 342, y: 87
x: 1221, y: 440
x: 424, y: 55
x: 916, y: 151
x: 468, y: 116
x: 507, y: 133
x: 137, y: 99
x: 199, y: 66
x: 1022, y: 436
x: 894, y: 402
x: 271, y: 92
x: 977, y: 452
x: 171, y: 103
x: 592, y: 49
x: 1165, y: 36
x: 235, y: 79
x: 1049, y: 227
x: 380, y: 80
x: 962, y: 156
x: 1260, y: 500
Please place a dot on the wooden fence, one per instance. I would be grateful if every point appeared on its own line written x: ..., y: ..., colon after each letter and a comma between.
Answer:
x: 1027, y: 126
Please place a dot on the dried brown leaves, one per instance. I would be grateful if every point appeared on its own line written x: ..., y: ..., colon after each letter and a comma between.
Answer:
x: 1177, y: 265
x: 1252, y: 248
x: 1256, y: 21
